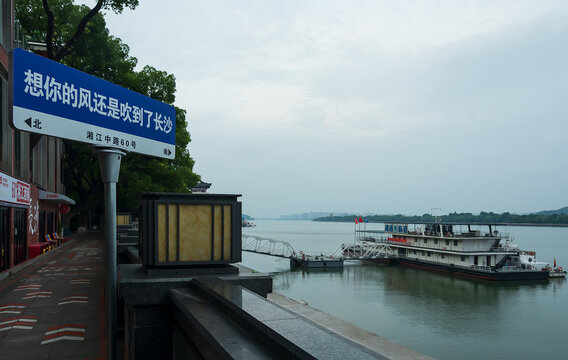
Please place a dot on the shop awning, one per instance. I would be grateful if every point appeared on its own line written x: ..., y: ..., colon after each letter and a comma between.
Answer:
x: 55, y: 198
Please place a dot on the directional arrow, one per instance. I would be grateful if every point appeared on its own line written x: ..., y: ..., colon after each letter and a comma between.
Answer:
x: 28, y: 121
x: 169, y: 152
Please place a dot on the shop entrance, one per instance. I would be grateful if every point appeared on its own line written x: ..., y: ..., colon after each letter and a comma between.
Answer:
x: 4, y: 239
x: 20, y: 236
x: 41, y: 221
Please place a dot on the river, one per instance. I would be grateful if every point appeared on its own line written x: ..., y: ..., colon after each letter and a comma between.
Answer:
x: 443, y: 316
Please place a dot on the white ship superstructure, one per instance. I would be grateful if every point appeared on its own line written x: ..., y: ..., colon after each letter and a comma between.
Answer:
x: 477, y: 250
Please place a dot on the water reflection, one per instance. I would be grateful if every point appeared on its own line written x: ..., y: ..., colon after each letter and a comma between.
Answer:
x: 392, y: 300
x: 425, y: 285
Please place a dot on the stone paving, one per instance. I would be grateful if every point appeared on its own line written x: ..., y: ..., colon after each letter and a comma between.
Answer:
x: 54, y: 308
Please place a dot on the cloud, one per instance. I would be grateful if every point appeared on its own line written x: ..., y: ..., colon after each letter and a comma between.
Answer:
x: 383, y: 107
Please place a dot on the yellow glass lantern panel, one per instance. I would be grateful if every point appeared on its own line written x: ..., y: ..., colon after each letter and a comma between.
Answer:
x: 197, y: 236
x: 195, y: 232
x: 172, y: 232
x: 227, y: 233
x: 162, y: 234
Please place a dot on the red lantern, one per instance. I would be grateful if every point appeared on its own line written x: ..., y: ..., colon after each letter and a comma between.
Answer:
x: 64, y: 209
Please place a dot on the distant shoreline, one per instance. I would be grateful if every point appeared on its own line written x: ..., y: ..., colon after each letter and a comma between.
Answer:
x: 401, y: 221
x: 449, y: 222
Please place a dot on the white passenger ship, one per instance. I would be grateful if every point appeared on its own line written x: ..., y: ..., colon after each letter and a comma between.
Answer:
x: 473, y: 250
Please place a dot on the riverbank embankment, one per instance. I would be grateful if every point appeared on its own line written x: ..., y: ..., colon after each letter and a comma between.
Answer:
x: 362, y: 337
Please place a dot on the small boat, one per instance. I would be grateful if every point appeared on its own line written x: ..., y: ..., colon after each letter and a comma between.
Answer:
x: 471, y: 250
x: 246, y: 223
x: 557, y: 273
x: 315, y: 261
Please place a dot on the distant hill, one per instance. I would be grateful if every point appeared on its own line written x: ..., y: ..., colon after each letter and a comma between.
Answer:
x: 247, y: 217
x: 311, y: 215
x: 564, y: 210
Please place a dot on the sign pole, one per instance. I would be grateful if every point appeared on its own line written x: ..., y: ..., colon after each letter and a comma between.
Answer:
x: 109, y: 161
x: 49, y: 98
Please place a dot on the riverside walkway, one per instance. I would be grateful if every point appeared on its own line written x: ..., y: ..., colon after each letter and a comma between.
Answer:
x: 53, y: 307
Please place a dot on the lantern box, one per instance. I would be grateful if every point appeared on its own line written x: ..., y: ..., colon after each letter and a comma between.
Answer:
x: 184, y: 230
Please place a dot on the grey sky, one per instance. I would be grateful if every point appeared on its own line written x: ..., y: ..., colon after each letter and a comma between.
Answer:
x: 368, y: 106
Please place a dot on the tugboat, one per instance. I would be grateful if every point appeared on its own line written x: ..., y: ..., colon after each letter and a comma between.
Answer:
x: 471, y: 250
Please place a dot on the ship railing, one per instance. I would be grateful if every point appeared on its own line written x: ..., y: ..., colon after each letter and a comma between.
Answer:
x: 456, y: 234
x: 516, y: 268
x: 477, y: 267
x: 510, y: 268
x: 504, y: 248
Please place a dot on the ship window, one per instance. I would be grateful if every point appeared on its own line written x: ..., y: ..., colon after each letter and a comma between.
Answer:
x: 443, y: 256
x: 423, y: 253
x: 415, y: 240
x: 435, y: 241
x: 447, y: 242
x: 429, y: 253
x: 425, y: 241
x: 455, y: 243
x: 463, y: 257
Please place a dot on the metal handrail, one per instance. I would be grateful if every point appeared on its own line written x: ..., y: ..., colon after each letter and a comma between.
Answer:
x: 267, y: 246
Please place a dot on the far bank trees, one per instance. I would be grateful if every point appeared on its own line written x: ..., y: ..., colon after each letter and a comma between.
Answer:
x: 463, y: 218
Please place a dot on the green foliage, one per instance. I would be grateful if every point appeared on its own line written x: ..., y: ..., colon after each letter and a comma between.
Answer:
x: 32, y: 17
x: 63, y: 23
x: 100, y: 54
x: 157, y: 84
x: 140, y: 173
x: 118, y: 6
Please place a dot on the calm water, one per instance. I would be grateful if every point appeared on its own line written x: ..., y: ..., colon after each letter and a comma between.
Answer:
x: 443, y: 316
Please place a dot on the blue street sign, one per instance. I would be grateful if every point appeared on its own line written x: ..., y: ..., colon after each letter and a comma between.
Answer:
x: 52, y: 99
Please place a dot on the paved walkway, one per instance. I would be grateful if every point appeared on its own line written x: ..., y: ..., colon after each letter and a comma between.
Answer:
x: 54, y: 308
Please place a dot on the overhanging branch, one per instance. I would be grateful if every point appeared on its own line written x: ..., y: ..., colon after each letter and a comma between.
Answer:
x: 68, y: 47
x: 49, y: 32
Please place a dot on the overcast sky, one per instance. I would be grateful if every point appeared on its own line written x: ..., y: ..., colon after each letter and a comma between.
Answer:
x: 368, y: 106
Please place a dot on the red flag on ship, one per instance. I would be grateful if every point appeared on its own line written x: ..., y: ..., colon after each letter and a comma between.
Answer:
x: 356, y: 222
x: 360, y: 219
x: 554, y: 262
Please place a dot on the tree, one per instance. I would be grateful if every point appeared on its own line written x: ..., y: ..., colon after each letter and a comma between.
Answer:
x: 77, y: 36
x: 58, y: 50
x: 140, y: 173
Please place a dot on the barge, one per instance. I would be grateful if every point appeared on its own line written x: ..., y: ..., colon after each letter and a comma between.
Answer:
x: 472, y: 250
x: 315, y: 261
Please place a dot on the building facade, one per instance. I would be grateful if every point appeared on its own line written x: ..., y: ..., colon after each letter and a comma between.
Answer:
x: 31, y: 169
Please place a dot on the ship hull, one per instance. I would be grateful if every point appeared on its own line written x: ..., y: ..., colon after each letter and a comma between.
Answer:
x: 312, y: 263
x: 467, y: 272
